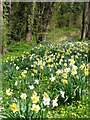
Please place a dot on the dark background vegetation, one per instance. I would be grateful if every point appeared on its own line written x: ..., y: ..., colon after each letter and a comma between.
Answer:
x: 39, y: 21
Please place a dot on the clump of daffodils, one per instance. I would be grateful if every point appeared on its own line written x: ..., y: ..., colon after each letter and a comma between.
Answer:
x: 59, y: 69
x: 24, y: 73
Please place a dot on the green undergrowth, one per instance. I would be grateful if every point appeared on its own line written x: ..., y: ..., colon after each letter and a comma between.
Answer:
x: 59, y: 34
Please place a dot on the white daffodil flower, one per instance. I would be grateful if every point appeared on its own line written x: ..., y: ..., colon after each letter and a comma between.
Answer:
x: 52, y: 78
x: 36, y: 82
x: 31, y: 87
x: 62, y: 94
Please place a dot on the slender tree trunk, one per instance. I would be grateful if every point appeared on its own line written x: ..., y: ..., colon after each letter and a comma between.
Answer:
x: 1, y: 26
x: 30, y: 33
x: 3, y: 30
x: 1, y: 11
x: 88, y: 31
x: 45, y: 18
x: 9, y: 10
x: 84, y: 21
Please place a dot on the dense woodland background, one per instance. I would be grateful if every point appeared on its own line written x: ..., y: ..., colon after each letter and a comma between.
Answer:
x: 38, y: 21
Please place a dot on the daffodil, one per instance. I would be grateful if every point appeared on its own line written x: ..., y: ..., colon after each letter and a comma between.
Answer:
x: 19, y: 77
x: 31, y: 87
x: 65, y: 64
x: 14, y: 107
x: 23, y: 75
x: 61, y: 70
x: 35, y: 71
x: 8, y: 92
x: 45, y: 95
x: 46, y: 99
x: 62, y: 94
x: 23, y: 95
x: 34, y: 97
x: 73, y: 72
x: 32, y: 74
x: 41, y: 66
x: 25, y: 71
x: 36, y: 82
x: 64, y: 81
x: 54, y: 102
x: 72, y: 61
x: 35, y: 108
x: 52, y: 78
x: 58, y: 71
x: 64, y: 75
x: 82, y: 67
x: 16, y: 83
x: 17, y: 68
x: 14, y: 64
x: 77, y: 76
x: 66, y: 70
x: 74, y: 67
x: 86, y: 72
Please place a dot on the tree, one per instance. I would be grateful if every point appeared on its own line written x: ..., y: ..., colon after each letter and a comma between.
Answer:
x: 85, y: 20
x: 5, y: 26
x: 1, y: 24
x: 42, y: 19
x: 31, y: 9
x: 9, y: 10
x: 88, y: 31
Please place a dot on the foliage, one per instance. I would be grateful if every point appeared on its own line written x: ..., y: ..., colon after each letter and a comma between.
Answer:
x: 59, y: 34
x: 35, y: 18
x: 16, y: 48
x: 29, y: 17
x: 47, y: 81
x: 18, y: 21
x: 67, y: 15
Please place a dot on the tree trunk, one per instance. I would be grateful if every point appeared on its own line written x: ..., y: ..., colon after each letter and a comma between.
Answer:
x: 1, y: 27
x: 29, y: 36
x: 88, y: 31
x: 1, y: 24
x: 85, y: 21
x: 45, y: 18
x: 9, y: 10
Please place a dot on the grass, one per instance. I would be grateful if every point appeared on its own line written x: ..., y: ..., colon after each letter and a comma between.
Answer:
x: 59, y: 34
x: 54, y: 35
x: 17, y: 48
